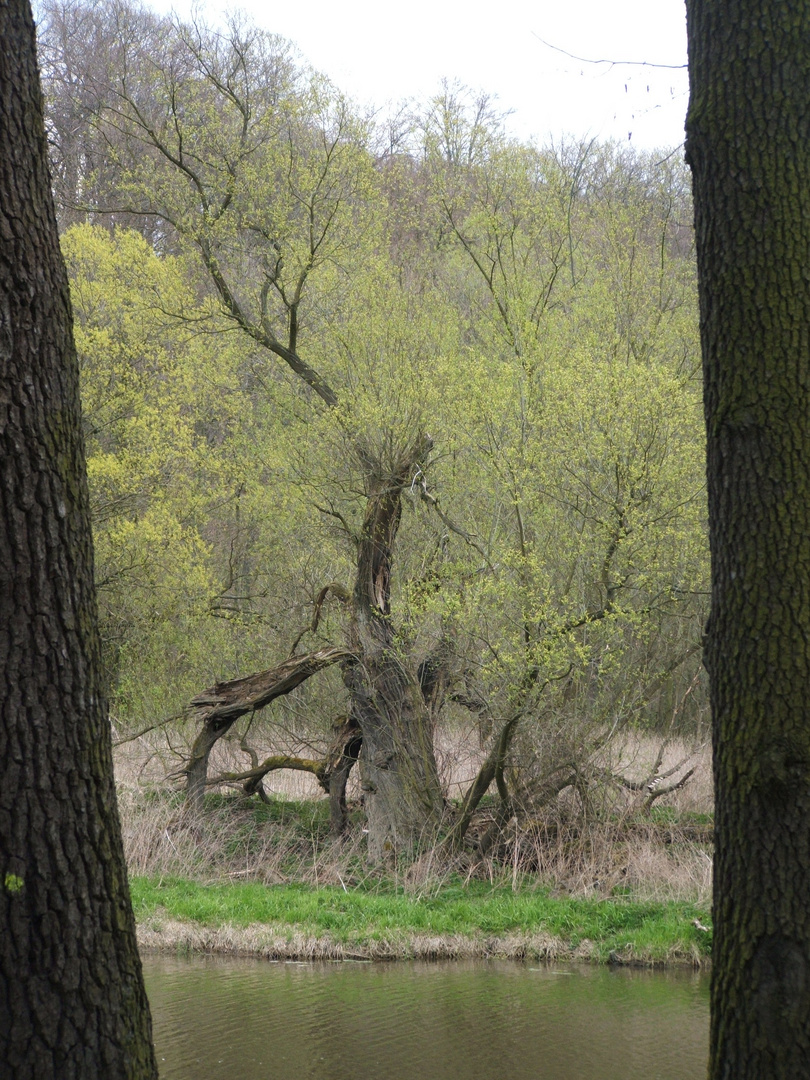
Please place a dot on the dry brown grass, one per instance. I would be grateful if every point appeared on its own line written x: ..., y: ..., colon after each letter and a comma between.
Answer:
x: 616, y: 840
x: 160, y: 934
x: 280, y: 943
x: 612, y: 845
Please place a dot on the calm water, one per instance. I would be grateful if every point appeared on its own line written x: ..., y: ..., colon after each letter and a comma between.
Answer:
x: 244, y: 1020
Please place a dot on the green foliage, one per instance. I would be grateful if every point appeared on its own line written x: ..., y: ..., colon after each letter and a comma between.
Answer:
x: 572, y: 446
x: 180, y: 461
x: 530, y: 312
x: 144, y: 454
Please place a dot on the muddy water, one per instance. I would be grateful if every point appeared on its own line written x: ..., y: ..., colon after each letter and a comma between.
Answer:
x: 252, y: 1020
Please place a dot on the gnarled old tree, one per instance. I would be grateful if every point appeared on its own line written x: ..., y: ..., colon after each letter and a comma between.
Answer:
x: 388, y: 710
x: 263, y: 196
x: 463, y: 301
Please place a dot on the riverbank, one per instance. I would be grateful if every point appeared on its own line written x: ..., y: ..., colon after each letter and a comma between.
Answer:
x: 295, y: 922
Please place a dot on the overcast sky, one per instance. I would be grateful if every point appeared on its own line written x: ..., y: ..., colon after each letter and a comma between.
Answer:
x: 381, y: 53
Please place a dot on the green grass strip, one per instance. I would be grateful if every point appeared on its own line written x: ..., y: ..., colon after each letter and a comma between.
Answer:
x: 653, y: 930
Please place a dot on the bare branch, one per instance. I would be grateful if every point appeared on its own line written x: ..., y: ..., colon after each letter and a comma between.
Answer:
x: 277, y: 761
x: 613, y: 63
x: 337, y: 590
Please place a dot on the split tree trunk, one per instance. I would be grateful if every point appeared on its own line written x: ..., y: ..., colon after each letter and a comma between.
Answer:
x: 748, y: 143
x: 72, y: 1000
x: 399, y: 777
x: 345, y: 751
x: 400, y: 781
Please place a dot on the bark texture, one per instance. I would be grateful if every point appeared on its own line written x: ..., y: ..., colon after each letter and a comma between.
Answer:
x: 72, y: 1002
x: 400, y: 781
x: 748, y: 143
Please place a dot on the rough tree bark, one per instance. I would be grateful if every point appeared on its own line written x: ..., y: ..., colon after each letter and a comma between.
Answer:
x: 748, y: 143
x: 72, y: 1001
x: 346, y: 746
x: 399, y: 777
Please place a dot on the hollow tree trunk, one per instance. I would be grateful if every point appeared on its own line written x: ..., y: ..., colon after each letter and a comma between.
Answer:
x: 399, y: 777
x: 345, y: 750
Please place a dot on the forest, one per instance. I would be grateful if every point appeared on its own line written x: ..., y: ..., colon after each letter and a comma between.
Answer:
x: 394, y: 436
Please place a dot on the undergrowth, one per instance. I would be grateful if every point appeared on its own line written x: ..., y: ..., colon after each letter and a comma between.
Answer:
x: 631, y: 885
x: 660, y: 856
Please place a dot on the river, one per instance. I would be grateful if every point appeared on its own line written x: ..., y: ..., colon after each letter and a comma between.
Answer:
x: 218, y: 1019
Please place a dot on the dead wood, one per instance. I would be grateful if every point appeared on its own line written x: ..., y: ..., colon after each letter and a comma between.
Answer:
x: 219, y: 707
x: 232, y: 699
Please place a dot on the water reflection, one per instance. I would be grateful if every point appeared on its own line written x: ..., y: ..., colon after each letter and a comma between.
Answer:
x: 246, y: 1020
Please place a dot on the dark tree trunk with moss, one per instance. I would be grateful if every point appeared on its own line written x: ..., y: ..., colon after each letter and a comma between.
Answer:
x: 72, y: 1001
x: 748, y: 143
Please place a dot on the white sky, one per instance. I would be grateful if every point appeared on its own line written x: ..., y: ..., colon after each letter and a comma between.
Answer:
x: 382, y: 53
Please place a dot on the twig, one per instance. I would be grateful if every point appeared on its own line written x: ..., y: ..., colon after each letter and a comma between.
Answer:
x: 613, y: 63
x: 152, y: 727
x: 657, y: 792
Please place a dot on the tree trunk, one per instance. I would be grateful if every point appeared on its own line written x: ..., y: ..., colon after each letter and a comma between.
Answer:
x: 72, y: 1001
x: 399, y: 777
x: 343, y: 756
x: 748, y: 143
x: 490, y: 769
